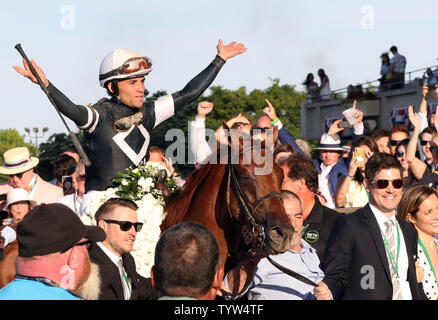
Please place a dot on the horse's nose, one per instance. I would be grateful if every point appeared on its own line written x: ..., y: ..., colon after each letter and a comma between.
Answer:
x: 279, y: 236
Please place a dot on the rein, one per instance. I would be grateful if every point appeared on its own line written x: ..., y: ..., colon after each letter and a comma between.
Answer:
x: 258, y: 232
x: 257, y: 235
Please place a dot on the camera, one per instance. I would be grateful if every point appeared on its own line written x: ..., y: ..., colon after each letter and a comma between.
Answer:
x: 67, y: 185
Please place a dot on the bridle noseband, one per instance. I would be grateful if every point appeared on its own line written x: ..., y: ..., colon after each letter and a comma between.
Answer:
x: 257, y: 235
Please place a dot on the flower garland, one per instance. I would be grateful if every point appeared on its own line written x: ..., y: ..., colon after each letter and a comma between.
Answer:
x: 150, y: 188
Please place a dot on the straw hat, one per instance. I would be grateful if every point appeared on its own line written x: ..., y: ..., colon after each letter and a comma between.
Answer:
x: 17, y: 160
x: 330, y: 142
x: 16, y: 195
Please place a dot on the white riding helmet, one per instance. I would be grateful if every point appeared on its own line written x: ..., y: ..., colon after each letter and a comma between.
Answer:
x: 123, y: 64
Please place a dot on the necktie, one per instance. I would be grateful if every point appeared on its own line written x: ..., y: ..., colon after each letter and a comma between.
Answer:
x: 390, y: 237
x: 27, y: 188
x: 124, y: 279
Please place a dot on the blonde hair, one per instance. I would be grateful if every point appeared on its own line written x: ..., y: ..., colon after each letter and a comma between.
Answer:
x: 305, y: 147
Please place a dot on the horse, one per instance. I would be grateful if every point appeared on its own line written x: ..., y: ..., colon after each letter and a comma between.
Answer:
x: 7, y: 262
x: 243, y: 209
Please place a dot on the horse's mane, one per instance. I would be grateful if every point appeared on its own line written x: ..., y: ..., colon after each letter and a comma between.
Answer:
x: 177, y: 207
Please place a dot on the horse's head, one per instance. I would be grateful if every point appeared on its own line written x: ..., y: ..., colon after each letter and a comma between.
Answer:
x: 253, y: 196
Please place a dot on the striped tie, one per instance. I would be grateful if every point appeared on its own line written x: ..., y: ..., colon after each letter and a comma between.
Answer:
x: 125, y: 280
x: 390, y: 237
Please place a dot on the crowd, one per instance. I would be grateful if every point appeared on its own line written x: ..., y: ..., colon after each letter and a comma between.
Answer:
x: 364, y: 218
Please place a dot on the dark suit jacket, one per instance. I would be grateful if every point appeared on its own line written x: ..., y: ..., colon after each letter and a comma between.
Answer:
x: 355, y: 252
x: 319, y: 224
x: 111, y: 283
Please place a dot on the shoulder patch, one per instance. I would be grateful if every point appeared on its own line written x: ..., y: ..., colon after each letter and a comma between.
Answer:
x: 311, y: 236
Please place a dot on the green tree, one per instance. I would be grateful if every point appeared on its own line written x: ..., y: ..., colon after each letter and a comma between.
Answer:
x: 49, y: 150
x: 227, y: 104
x: 11, y: 138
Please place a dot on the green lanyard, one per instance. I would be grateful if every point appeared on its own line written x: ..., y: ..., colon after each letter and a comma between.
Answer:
x: 427, y: 257
x: 394, y: 262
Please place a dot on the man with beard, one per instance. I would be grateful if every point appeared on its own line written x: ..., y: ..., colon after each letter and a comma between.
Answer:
x: 53, y: 261
x: 119, y: 278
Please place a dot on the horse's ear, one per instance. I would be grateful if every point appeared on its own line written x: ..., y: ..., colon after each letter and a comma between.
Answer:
x: 225, y: 125
x: 275, y: 135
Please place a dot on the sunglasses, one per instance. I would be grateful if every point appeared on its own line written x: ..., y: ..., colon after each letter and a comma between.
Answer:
x: 383, y: 183
x: 18, y: 175
x: 126, y: 225
x: 396, y: 142
x: 87, y: 243
x: 238, y: 124
x: 399, y: 154
x: 424, y: 142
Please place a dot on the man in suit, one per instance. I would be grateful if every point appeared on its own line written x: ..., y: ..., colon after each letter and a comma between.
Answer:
x: 371, y: 253
x: 301, y: 177
x: 19, y: 167
x: 119, y: 278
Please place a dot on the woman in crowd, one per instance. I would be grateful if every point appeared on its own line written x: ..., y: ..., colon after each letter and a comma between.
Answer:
x: 18, y: 204
x: 311, y: 87
x: 350, y: 189
x: 419, y: 205
x: 413, y: 168
x: 324, y: 88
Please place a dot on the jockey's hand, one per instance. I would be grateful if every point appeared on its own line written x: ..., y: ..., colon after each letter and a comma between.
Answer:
x: 230, y: 50
x: 28, y: 74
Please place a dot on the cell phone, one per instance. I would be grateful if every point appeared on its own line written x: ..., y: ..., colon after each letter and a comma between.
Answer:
x: 344, y: 124
x: 359, y: 154
x: 67, y: 185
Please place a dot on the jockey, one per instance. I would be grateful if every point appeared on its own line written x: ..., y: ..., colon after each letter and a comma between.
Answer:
x: 117, y: 130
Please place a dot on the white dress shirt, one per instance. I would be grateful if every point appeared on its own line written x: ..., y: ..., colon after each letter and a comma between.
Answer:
x: 403, y: 262
x: 118, y: 261
x: 324, y: 185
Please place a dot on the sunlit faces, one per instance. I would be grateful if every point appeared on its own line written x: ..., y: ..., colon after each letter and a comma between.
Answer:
x: 395, y: 138
x: 426, y: 140
x: 383, y: 144
x: 294, y: 212
x: 426, y: 218
x: 19, y: 209
x: 22, y: 179
x: 131, y: 91
x: 387, y: 199
x: 401, y: 157
x: 330, y: 157
x: 119, y: 241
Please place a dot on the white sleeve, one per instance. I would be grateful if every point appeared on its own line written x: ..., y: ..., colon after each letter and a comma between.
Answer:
x: 164, y: 109
x: 423, y: 118
x: 198, y: 145
x: 9, y: 235
x: 358, y: 129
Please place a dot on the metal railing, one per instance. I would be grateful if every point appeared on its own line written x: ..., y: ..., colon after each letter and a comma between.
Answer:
x: 371, y: 84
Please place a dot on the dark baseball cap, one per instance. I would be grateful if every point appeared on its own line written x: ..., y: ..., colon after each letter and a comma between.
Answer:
x: 50, y: 228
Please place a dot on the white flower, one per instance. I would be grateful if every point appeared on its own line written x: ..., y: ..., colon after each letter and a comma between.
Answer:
x: 150, y: 211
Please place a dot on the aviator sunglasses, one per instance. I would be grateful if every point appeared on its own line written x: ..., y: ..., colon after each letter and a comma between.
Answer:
x: 126, y: 225
x: 383, y: 183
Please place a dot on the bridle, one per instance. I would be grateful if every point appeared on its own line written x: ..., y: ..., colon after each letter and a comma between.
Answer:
x: 255, y: 233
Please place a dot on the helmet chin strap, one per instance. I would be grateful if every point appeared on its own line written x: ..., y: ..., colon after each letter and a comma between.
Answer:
x: 115, y: 94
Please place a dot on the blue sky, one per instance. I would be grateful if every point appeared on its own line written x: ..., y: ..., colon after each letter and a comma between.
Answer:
x: 286, y: 39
